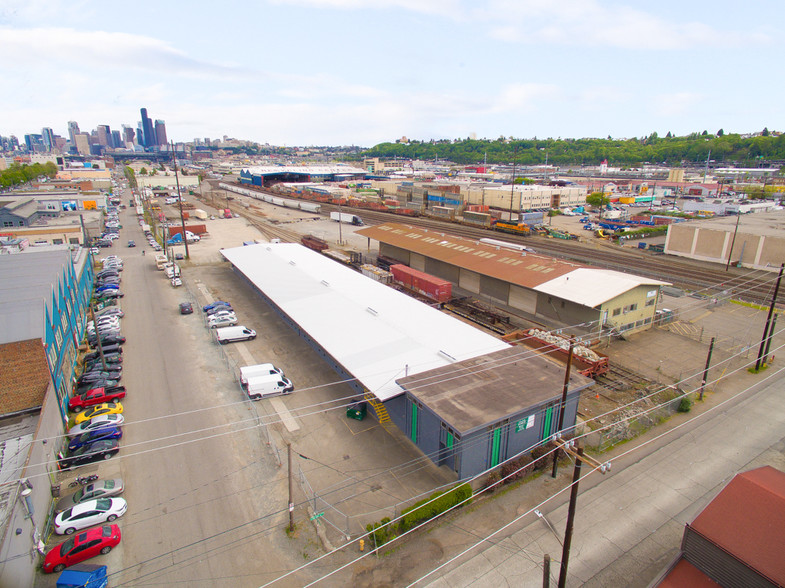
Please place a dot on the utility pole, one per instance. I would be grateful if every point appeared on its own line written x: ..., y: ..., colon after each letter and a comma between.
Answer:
x: 733, y: 242
x: 562, y: 405
x: 546, y: 571
x: 512, y: 181
x: 772, y: 329
x: 291, y: 486
x: 706, y: 369
x: 576, y: 476
x: 179, y: 200
x: 768, y: 319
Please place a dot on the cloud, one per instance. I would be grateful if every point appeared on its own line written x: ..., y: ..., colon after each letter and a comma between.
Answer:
x: 675, y: 103
x: 50, y: 47
x: 590, y: 23
x: 443, y: 7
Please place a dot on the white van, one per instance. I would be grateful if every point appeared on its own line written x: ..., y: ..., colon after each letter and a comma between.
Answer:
x: 270, y: 385
x: 262, y: 369
x: 231, y: 334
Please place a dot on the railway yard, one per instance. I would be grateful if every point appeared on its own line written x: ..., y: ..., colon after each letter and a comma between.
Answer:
x: 643, y: 371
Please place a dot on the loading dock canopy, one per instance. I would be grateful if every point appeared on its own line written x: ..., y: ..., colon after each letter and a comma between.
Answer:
x: 374, y: 332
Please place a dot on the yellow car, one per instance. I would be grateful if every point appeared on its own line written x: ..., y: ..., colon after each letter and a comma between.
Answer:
x: 94, y: 411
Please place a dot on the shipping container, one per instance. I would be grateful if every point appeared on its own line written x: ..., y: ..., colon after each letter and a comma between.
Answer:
x: 480, y: 219
x: 195, y: 229
x: 314, y: 243
x: 586, y: 361
x: 375, y: 273
x: 434, y: 288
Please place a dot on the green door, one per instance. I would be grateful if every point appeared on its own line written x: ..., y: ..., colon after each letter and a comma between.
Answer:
x: 496, y: 444
x: 413, y: 432
x: 546, y: 422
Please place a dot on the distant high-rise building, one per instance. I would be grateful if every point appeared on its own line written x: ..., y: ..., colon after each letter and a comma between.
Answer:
x: 117, y: 141
x: 73, y: 131
x: 34, y: 143
x: 49, y: 138
x: 83, y: 144
x: 147, y: 130
x: 129, y: 136
x: 104, y: 135
x: 160, y: 132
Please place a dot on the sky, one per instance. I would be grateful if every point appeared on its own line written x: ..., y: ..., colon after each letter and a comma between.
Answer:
x: 363, y: 72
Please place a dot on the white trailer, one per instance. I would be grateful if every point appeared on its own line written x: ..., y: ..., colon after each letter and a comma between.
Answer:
x: 345, y: 217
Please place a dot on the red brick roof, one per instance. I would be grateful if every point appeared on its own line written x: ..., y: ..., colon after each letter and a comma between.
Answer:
x: 24, y: 376
x: 686, y: 575
x: 747, y: 519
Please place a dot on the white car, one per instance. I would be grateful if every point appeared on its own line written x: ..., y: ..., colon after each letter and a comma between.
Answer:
x: 223, y: 314
x: 176, y: 282
x: 87, y: 514
x: 222, y: 321
x: 109, y: 311
x: 100, y: 422
x: 111, y: 258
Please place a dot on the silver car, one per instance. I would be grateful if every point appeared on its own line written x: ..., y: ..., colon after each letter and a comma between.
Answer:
x: 99, y: 489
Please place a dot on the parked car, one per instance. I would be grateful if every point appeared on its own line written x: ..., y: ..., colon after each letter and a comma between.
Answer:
x: 102, y: 383
x: 87, y: 439
x: 186, y: 308
x: 83, y: 546
x: 207, y: 307
x: 176, y: 282
x: 97, y: 422
x: 222, y: 314
x: 109, y: 294
x: 131, y: 243
x: 98, y: 410
x: 93, y: 491
x: 96, y: 396
x: 218, y: 309
x: 112, y: 349
x: 111, y: 359
x: 98, y: 374
x: 107, y: 340
x: 97, y: 451
x: 111, y: 311
x: 221, y: 321
x: 87, y: 514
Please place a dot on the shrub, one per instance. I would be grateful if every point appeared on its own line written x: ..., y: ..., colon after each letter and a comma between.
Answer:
x: 517, y: 469
x: 491, y: 480
x: 433, y: 506
x: 540, y: 451
x: 685, y: 405
x: 381, y: 532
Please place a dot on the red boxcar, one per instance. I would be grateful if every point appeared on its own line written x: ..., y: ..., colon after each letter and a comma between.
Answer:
x: 426, y: 284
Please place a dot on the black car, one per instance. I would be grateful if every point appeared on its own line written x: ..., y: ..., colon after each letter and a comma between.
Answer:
x: 110, y: 358
x: 186, y: 308
x: 221, y: 308
x: 97, y: 451
x: 102, y: 383
x: 112, y: 371
x: 108, y: 350
x: 108, y: 294
x: 98, y: 375
x: 106, y: 340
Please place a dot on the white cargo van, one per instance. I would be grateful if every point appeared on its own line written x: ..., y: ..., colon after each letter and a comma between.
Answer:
x: 231, y: 334
x: 270, y: 385
x: 262, y: 369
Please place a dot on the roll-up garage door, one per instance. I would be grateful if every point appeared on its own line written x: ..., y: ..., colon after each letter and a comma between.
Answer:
x: 417, y: 262
x: 470, y: 281
x: 523, y: 299
x: 443, y: 270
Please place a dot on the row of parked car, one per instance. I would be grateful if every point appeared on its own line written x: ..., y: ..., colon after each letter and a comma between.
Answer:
x: 220, y: 314
x: 93, y: 434
x: 112, y: 228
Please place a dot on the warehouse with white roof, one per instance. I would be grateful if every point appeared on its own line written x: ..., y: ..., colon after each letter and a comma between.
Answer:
x: 382, y: 342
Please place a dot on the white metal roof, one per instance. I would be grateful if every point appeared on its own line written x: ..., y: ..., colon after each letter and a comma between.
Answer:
x: 314, y: 170
x: 372, y: 330
x: 591, y: 287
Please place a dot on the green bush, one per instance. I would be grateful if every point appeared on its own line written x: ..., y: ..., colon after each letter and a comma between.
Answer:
x: 381, y: 532
x: 685, y: 405
x: 431, y: 507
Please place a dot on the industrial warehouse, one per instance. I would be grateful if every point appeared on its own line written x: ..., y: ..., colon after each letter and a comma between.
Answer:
x: 539, y: 286
x: 465, y: 398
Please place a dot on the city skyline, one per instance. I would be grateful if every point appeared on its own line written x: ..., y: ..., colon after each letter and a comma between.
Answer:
x: 361, y: 73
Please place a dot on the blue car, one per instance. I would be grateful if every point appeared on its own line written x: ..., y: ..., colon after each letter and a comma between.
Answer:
x: 214, y: 304
x: 91, y: 437
x: 107, y: 287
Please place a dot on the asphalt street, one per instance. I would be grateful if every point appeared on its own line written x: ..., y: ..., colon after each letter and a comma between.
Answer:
x: 629, y: 523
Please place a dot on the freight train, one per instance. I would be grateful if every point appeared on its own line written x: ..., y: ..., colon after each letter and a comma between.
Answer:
x: 312, y: 207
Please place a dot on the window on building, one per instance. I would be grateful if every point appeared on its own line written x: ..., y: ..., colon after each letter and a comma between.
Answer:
x: 629, y: 308
x: 616, y: 311
x: 74, y: 240
x: 651, y: 302
x: 57, y: 241
x: 8, y: 224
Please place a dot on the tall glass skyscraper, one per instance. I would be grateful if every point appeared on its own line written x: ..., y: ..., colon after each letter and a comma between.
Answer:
x: 148, y: 130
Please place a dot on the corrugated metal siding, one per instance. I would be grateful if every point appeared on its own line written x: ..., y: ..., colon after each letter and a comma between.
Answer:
x: 718, y: 564
x: 417, y: 261
x: 396, y: 253
x: 495, y: 288
x: 469, y: 281
x: 445, y: 271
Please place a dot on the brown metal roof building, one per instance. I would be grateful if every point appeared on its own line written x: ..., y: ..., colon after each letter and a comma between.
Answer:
x: 738, y: 539
x: 558, y: 291
x: 474, y: 414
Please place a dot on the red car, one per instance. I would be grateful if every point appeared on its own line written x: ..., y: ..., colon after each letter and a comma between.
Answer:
x: 92, y: 542
x: 95, y: 396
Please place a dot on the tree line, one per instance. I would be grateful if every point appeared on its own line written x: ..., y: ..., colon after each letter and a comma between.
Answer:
x: 695, y: 148
x: 17, y: 174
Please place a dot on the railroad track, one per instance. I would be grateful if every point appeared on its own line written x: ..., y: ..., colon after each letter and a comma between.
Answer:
x: 703, y: 279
